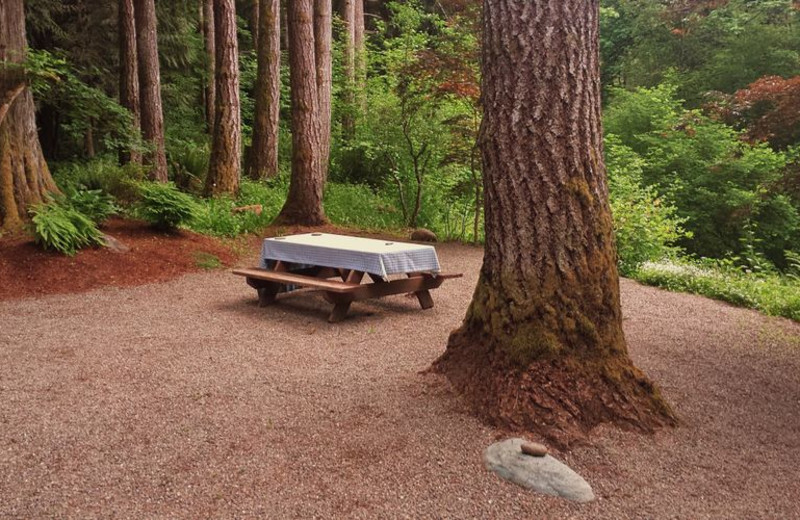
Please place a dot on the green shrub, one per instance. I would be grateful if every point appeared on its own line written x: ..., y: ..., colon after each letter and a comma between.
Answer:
x: 215, y: 216
x: 358, y: 206
x: 769, y: 293
x: 63, y: 228
x: 164, y: 206
x: 101, y: 174
x: 95, y: 204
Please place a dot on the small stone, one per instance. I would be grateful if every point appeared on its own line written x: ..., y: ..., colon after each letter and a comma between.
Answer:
x: 114, y: 245
x: 253, y: 208
x: 534, y: 449
x: 424, y: 235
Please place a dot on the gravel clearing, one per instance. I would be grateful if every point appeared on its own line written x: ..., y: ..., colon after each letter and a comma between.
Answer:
x: 184, y: 399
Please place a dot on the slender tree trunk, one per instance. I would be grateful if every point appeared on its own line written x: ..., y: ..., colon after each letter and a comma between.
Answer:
x: 224, y: 166
x: 208, y: 36
x: 255, y: 23
x: 542, y: 347
x: 263, y: 160
x: 323, y: 38
x: 360, y: 54
x: 129, y: 73
x: 24, y: 176
x: 348, y: 114
x: 150, y: 85
x: 304, y: 202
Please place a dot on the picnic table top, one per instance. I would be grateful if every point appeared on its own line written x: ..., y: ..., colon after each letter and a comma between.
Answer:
x: 381, y: 257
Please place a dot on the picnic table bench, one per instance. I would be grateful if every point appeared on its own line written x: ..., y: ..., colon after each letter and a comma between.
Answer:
x: 337, y: 265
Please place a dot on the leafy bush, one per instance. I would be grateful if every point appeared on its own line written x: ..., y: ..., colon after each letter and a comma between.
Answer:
x: 101, y: 174
x: 63, y: 228
x: 164, y: 206
x: 215, y: 216
x: 358, y: 206
x: 769, y: 293
x: 646, y: 227
x: 95, y: 204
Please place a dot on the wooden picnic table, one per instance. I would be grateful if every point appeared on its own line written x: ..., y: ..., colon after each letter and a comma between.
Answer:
x: 345, y: 269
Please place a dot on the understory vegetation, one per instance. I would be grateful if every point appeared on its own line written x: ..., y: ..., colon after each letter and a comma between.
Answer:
x: 701, y: 118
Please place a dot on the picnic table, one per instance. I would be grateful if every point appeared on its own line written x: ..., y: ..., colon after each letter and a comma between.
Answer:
x: 345, y: 269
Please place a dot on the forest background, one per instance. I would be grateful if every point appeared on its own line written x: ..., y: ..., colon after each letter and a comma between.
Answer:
x: 702, y: 130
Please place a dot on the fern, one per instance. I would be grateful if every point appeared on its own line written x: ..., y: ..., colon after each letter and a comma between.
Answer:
x: 164, y: 206
x: 63, y: 229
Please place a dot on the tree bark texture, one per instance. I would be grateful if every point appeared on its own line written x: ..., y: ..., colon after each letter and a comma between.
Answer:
x: 208, y: 36
x: 360, y: 53
x: 263, y: 161
x: 542, y: 347
x: 348, y: 115
x: 150, y: 88
x: 224, y: 166
x: 24, y: 176
x: 304, y: 202
x: 323, y: 39
x: 128, y: 72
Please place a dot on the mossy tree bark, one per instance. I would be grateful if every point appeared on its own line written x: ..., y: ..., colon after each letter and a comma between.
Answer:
x: 542, y: 348
x: 24, y: 176
x: 225, y: 163
x: 348, y: 114
x: 128, y: 72
x: 304, y: 202
x: 152, y: 118
x: 263, y: 157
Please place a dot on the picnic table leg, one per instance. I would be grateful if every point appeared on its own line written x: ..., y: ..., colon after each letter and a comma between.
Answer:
x: 267, y: 294
x: 339, y: 312
x: 425, y: 299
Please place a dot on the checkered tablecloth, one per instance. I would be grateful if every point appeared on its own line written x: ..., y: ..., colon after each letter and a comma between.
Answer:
x: 380, y: 257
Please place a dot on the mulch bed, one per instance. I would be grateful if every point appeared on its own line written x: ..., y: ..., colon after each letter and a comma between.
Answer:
x: 27, y: 270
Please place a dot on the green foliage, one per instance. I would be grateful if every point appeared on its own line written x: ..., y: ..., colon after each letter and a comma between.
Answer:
x: 62, y: 228
x: 717, y: 182
x: 164, y: 206
x: 769, y: 293
x: 646, y: 227
x: 358, y: 206
x: 216, y: 216
x: 205, y: 260
x: 120, y: 182
x: 95, y: 204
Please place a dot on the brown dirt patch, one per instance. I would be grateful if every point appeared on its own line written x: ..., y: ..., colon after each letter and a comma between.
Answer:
x: 27, y: 270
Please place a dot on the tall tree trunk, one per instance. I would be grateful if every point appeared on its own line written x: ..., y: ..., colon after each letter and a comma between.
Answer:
x: 360, y: 54
x: 323, y: 38
x: 348, y: 114
x: 24, y: 176
x: 150, y: 85
x: 263, y: 159
x: 255, y: 24
x: 208, y: 35
x: 304, y: 202
x: 542, y: 347
x: 224, y: 166
x: 129, y: 73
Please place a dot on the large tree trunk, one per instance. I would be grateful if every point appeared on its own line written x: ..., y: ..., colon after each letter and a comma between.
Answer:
x: 348, y: 114
x: 304, y: 202
x: 263, y: 160
x: 208, y: 36
x: 323, y: 38
x: 24, y: 176
x: 542, y: 347
x: 150, y: 85
x: 224, y: 166
x: 128, y: 72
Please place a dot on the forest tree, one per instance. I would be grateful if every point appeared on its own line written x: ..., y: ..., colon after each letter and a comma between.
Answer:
x: 542, y: 346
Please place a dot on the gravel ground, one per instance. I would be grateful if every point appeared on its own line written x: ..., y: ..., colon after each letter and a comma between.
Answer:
x: 184, y: 399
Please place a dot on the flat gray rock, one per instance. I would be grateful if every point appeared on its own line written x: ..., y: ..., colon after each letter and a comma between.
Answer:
x: 543, y: 474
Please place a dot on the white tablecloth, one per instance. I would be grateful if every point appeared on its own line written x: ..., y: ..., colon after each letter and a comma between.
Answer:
x: 380, y: 257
